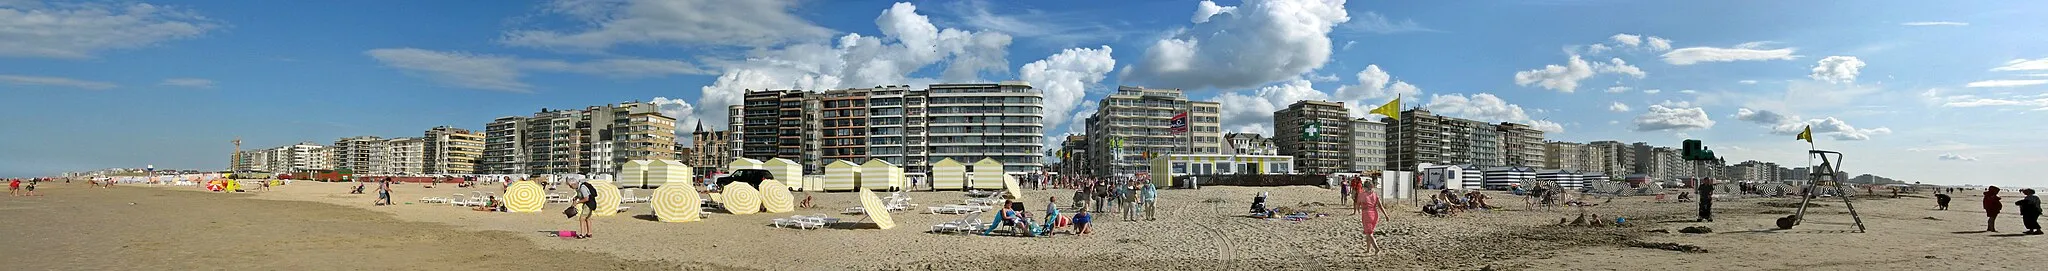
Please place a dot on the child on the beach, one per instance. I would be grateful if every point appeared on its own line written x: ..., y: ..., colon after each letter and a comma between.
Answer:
x: 1081, y: 220
x: 1991, y: 207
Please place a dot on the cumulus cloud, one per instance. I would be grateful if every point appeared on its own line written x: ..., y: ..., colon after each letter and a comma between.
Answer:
x: 187, y: 82
x: 502, y: 73
x: 1565, y: 78
x: 1628, y: 39
x: 1049, y: 29
x: 1753, y: 51
x: 1837, y: 69
x: 1659, y: 44
x: 1260, y: 42
x: 683, y: 112
x: 1064, y: 78
x: 1253, y: 113
x: 1208, y: 9
x: 2024, y: 65
x: 80, y: 30
x: 1617, y: 89
x: 1488, y: 108
x: 1618, y: 107
x: 2005, y: 83
x: 1783, y: 124
x: 609, y: 23
x: 1374, y: 83
x: 29, y: 80
x: 909, y: 43
x: 1652, y: 91
x: 1935, y: 23
x: 1955, y: 157
x: 1672, y: 117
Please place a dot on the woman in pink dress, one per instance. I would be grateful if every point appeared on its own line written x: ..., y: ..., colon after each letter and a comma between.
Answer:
x: 1369, y: 209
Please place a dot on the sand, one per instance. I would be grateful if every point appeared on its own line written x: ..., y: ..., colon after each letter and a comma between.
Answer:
x: 1197, y: 230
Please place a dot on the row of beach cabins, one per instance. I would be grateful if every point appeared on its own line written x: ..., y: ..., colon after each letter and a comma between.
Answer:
x: 840, y: 175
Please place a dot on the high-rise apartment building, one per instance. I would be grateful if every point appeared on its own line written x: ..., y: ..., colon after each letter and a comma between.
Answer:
x: 844, y: 117
x: 594, y: 140
x: 1317, y: 134
x: 969, y: 122
x: 450, y: 150
x: 1140, y: 119
x: 1620, y: 159
x: 1575, y: 157
x: 362, y: 155
x: 404, y: 155
x: 1422, y: 137
x: 1520, y: 145
x: 773, y: 126
x: 286, y: 159
x: 1368, y: 145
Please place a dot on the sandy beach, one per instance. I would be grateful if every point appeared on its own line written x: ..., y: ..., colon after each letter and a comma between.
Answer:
x: 318, y: 226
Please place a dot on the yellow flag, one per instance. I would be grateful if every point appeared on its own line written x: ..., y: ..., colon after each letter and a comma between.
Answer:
x: 1807, y: 134
x: 1392, y: 109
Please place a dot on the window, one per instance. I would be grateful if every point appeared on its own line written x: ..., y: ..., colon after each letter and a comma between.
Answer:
x: 1180, y: 168
x: 1224, y: 167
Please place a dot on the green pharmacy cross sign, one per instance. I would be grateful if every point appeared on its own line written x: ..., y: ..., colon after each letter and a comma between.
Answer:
x: 1312, y: 130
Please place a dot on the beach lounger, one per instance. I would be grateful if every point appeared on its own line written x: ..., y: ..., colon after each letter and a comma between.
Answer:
x: 557, y: 197
x: 458, y: 200
x: 971, y: 222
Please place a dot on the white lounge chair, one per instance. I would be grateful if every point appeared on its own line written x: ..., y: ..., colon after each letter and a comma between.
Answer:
x: 971, y: 222
x: 557, y: 197
x: 458, y: 200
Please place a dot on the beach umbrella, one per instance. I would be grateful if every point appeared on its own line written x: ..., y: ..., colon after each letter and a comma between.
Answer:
x: 1010, y: 185
x: 607, y: 198
x: 775, y: 198
x: 524, y: 197
x: 741, y: 198
x: 876, y: 211
x: 677, y: 203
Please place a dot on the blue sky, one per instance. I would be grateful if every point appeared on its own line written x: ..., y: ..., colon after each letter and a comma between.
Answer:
x: 1951, y: 92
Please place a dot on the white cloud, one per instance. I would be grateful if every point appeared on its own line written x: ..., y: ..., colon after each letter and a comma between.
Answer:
x: 1597, y: 48
x: 610, y: 23
x: 1688, y: 91
x: 1837, y: 69
x: 1652, y: 91
x: 1935, y: 23
x: 1659, y: 44
x: 1487, y: 108
x: 1261, y: 41
x: 1618, y: 107
x: 2024, y: 65
x: 1971, y: 101
x: 1617, y: 89
x: 1955, y: 157
x: 1254, y: 113
x: 1782, y: 124
x: 1064, y: 78
x: 1747, y: 82
x: 683, y: 112
x: 187, y: 82
x: 79, y: 30
x: 1208, y: 9
x: 1374, y: 83
x: 1628, y: 39
x: 1375, y: 23
x: 502, y: 73
x: 1051, y: 29
x: 1753, y: 51
x: 1565, y: 78
x: 909, y: 43
x: 27, y: 80
x: 2005, y: 83
x: 1662, y: 117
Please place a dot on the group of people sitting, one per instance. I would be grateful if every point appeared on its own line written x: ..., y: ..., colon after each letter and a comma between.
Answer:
x: 1019, y: 221
x: 1450, y: 203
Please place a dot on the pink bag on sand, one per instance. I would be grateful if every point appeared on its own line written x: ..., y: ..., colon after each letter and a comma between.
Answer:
x: 565, y: 234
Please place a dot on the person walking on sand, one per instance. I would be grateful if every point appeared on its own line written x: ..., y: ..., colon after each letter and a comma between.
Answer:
x: 1368, y: 203
x: 14, y: 187
x: 384, y: 192
x: 1706, y: 191
x: 1344, y: 191
x: 1991, y: 207
x: 2030, y: 209
x: 1149, y: 198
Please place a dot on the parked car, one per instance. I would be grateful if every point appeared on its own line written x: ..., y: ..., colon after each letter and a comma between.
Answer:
x: 752, y: 177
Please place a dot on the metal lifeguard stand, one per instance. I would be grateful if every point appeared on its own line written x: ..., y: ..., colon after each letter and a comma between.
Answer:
x: 1826, y: 171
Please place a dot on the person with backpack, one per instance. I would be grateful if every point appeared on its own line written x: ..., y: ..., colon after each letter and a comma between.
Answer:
x: 586, y: 203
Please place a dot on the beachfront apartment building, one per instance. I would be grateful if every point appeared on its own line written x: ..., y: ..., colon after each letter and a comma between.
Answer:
x: 1248, y: 144
x: 1752, y: 170
x: 450, y: 150
x: 968, y: 122
x: 1317, y: 134
x: 593, y: 140
x: 1140, y: 119
x: 1521, y: 145
x: 1422, y: 137
x: 362, y: 155
x: 778, y: 124
x: 1620, y: 160
x: 1368, y: 145
x: 908, y: 127
x: 405, y: 156
x: 1575, y: 157
x: 283, y: 159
